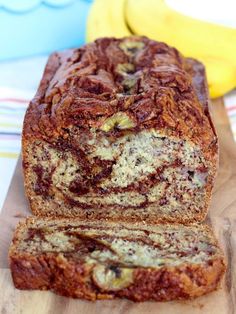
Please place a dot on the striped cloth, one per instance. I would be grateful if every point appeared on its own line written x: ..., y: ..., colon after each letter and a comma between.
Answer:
x: 230, y: 105
x: 13, y: 104
x: 18, y: 82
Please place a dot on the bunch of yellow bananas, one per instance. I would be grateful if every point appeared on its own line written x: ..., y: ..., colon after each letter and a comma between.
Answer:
x: 213, y: 44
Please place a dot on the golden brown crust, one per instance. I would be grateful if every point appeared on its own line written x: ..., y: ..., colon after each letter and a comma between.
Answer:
x: 74, y: 280
x: 72, y: 277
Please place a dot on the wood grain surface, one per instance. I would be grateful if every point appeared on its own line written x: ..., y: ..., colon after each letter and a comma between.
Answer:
x: 222, y: 216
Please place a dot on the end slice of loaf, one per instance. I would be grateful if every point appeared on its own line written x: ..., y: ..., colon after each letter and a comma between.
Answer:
x: 94, y: 260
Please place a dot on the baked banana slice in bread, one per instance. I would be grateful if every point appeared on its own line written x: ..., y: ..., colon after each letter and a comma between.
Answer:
x: 119, y: 129
x: 101, y: 260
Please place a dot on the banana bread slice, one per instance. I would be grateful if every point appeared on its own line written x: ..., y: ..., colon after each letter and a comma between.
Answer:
x: 119, y: 129
x: 105, y: 260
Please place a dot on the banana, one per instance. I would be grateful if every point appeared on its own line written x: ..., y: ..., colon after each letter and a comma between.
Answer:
x: 221, y: 76
x: 213, y: 44
x: 106, y: 18
x: 155, y: 19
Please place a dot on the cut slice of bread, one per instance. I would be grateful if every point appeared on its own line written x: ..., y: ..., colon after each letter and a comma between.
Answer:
x: 104, y: 260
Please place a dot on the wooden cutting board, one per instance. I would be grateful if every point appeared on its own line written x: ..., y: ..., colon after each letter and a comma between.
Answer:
x: 222, y: 216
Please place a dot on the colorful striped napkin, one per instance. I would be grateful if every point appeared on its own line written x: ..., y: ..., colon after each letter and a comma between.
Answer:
x: 13, y: 104
x: 230, y: 105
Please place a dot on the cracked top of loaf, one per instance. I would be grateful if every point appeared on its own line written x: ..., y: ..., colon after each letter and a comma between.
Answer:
x: 118, y: 86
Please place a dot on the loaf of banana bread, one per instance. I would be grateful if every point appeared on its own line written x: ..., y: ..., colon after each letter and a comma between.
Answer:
x: 120, y: 129
x: 105, y: 260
